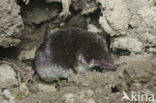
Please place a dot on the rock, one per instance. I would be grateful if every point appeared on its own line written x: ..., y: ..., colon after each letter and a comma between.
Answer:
x: 147, y: 29
x: 65, y: 6
x: 106, y: 90
x: 8, y: 42
x: 47, y: 88
x: 135, y: 21
x: 115, y: 15
x: 24, y: 89
x: 135, y: 5
x: 7, y: 76
x: 88, y: 101
x: 43, y: 87
x: 140, y: 67
x: 93, y: 28
x: 136, y: 86
x: 26, y: 1
x: 85, y: 96
x: 152, y: 50
x: 125, y: 43
x: 103, y: 22
x: 28, y: 54
x: 11, y: 22
x: 8, y: 95
x: 133, y: 18
x: 31, y: 16
x: 152, y: 2
x: 89, y: 8
x: 147, y: 91
x: 62, y: 24
x: 70, y: 98
x: 1, y: 98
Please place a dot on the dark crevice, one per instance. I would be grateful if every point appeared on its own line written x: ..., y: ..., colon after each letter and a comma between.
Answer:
x: 115, y: 89
x: 121, y: 52
x: 10, y: 52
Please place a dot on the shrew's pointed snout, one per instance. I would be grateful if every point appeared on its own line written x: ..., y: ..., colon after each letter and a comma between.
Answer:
x: 113, y: 67
x: 108, y: 64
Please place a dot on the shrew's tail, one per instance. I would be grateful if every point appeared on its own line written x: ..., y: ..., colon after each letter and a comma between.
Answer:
x: 45, y: 30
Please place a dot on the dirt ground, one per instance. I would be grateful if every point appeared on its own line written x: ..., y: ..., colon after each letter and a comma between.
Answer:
x: 135, y: 72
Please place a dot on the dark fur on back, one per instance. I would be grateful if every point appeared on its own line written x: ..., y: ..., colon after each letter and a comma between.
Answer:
x: 66, y: 44
x: 63, y: 47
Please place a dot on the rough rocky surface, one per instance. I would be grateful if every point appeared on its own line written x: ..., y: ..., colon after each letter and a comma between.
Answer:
x: 65, y: 6
x: 11, y: 23
x: 8, y: 42
x: 8, y: 95
x: 85, y: 96
x: 131, y: 29
x: 7, y: 76
x: 133, y: 18
x: 147, y: 28
x: 106, y: 86
x: 93, y: 28
x: 28, y: 54
x: 115, y: 15
x: 127, y: 44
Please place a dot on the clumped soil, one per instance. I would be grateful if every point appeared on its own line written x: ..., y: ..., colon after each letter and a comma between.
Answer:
x: 135, y: 72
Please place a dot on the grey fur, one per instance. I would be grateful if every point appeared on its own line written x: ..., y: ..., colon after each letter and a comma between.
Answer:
x: 71, y: 48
